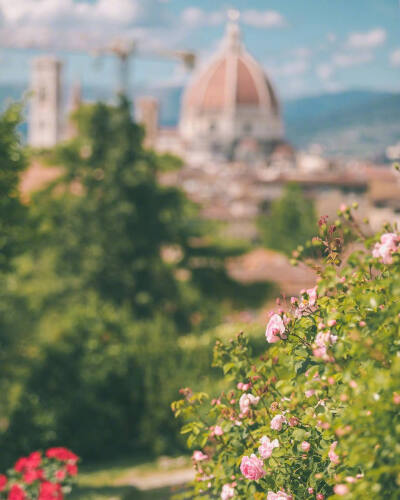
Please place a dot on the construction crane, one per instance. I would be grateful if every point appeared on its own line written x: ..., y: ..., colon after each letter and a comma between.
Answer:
x: 123, y: 50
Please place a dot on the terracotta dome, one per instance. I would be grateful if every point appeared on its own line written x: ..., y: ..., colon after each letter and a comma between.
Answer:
x: 233, y: 79
x: 229, y: 99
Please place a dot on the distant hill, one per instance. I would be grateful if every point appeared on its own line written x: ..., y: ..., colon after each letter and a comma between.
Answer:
x: 353, y: 123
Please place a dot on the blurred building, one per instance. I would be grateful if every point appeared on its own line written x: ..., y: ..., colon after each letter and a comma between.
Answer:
x: 74, y: 104
x: 46, y: 113
x: 147, y: 110
x: 230, y: 110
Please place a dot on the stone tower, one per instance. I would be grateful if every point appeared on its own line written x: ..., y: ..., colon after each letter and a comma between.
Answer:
x: 147, y: 109
x: 45, y: 118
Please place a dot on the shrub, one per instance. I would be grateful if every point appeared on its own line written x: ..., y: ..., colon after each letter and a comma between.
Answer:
x: 40, y: 477
x: 291, y: 221
x: 317, y: 415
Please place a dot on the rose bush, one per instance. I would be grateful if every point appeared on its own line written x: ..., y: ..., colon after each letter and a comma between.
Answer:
x: 317, y: 415
x: 40, y: 477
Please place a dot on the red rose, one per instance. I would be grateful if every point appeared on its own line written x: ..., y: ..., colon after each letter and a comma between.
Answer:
x: 21, y: 464
x: 3, y: 482
x: 50, y: 491
x: 72, y: 469
x: 16, y: 493
x: 30, y: 462
x: 60, y: 474
x: 34, y: 460
x: 62, y: 454
x: 29, y: 476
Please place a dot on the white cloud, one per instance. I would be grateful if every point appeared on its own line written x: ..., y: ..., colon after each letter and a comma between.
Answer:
x: 345, y: 60
x: 196, y: 17
x: 263, y: 18
x: 367, y: 40
x: 71, y: 24
x: 395, y: 57
x: 302, y: 52
x: 291, y: 68
x: 325, y: 71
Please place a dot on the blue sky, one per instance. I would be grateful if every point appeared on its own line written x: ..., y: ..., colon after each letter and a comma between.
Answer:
x: 306, y: 46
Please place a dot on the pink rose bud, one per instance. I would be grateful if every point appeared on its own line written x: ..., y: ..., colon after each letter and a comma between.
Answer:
x: 310, y: 491
x: 320, y: 496
x: 309, y: 393
x: 362, y: 323
x: 396, y: 398
x: 341, y: 489
x: 305, y: 446
x: 217, y: 431
x: 332, y: 322
x: 240, y: 386
x: 198, y: 456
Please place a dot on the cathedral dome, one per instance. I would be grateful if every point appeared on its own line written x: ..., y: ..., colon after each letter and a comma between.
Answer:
x: 230, y: 99
x: 231, y: 80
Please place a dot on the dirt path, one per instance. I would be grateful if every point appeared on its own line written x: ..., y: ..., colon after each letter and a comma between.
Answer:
x: 158, y: 480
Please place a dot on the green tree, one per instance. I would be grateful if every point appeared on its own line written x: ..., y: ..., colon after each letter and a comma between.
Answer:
x: 12, y: 163
x: 116, y: 230
x: 290, y: 222
x: 14, y: 231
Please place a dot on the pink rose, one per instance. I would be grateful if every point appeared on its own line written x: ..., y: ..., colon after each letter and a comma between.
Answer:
x: 333, y: 457
x: 384, y: 249
x: 217, y: 431
x: 267, y: 446
x: 252, y: 467
x: 341, y: 489
x: 310, y: 491
x: 305, y: 446
x: 247, y: 400
x: 309, y: 393
x: 312, y: 296
x: 198, y: 456
x: 228, y: 491
x: 277, y: 422
x: 281, y: 495
x: 275, y: 329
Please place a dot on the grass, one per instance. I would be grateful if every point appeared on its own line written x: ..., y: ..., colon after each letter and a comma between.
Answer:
x: 113, y: 481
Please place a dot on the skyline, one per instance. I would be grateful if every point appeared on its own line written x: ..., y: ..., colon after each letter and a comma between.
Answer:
x: 307, y: 47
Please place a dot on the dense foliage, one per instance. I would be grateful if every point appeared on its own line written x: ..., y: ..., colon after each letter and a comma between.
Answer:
x: 318, y: 414
x: 290, y: 221
x: 117, y: 268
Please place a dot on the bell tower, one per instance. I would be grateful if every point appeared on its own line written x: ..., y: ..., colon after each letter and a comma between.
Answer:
x: 45, y: 117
